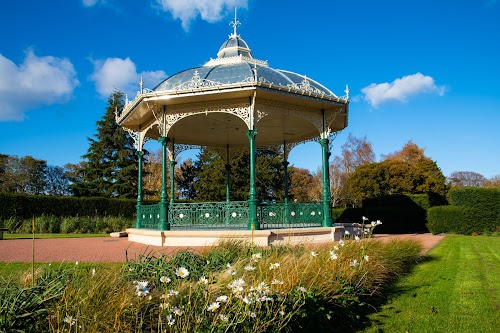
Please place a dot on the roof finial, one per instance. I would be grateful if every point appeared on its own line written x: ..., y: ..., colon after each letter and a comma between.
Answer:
x: 346, y: 91
x: 141, y: 84
x: 235, y: 23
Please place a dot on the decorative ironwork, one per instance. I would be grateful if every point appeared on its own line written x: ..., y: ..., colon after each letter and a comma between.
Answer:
x: 196, y: 82
x: 233, y: 215
x: 150, y: 216
x: 306, y: 87
x: 238, y: 107
x: 209, y: 215
x: 291, y: 215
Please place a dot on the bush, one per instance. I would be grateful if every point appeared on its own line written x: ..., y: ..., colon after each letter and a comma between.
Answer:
x: 461, y: 220
x: 23, y: 206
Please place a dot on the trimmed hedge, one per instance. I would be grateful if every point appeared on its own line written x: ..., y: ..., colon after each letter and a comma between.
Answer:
x: 395, y: 220
x: 473, y: 210
x: 25, y: 206
x: 67, y: 225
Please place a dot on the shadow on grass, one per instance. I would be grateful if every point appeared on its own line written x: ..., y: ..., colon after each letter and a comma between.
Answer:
x: 373, y: 304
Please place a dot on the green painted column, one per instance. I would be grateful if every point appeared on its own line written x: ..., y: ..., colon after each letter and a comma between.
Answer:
x: 326, y: 196
x: 285, y: 168
x: 140, y: 154
x: 253, y: 201
x: 164, y: 225
x: 172, y: 180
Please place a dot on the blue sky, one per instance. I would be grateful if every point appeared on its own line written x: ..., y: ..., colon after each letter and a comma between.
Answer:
x: 421, y: 70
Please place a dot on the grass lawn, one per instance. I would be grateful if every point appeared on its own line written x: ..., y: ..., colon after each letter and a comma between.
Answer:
x: 456, y: 289
x: 43, y: 236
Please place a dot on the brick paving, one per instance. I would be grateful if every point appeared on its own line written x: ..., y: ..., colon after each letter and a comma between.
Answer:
x: 107, y: 249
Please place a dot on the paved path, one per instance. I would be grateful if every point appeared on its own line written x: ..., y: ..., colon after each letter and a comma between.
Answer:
x: 114, y: 249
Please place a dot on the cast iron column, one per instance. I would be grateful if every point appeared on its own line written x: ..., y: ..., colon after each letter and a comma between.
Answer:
x: 164, y: 225
x: 285, y: 166
x: 253, y: 201
x: 172, y: 180
x: 326, y: 196
x: 139, y: 153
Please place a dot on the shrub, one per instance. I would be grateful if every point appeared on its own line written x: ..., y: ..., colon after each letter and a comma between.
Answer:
x: 460, y: 220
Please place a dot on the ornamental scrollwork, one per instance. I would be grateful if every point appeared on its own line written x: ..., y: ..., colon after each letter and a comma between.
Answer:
x: 306, y: 87
x: 196, y: 82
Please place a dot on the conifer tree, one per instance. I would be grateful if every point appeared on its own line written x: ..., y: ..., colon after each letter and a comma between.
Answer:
x: 110, y: 168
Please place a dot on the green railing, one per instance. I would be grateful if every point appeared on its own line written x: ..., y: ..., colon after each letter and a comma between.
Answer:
x: 150, y: 216
x: 291, y: 215
x: 209, y: 215
x: 233, y: 215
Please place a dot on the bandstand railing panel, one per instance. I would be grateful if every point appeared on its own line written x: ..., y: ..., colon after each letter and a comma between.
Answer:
x: 209, y: 215
x: 291, y: 215
x: 150, y: 216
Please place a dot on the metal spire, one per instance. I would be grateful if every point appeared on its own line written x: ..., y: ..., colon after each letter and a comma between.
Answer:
x: 235, y: 23
x: 141, y: 84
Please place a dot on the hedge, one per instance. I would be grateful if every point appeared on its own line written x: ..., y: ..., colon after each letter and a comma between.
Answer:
x: 473, y: 210
x: 25, y: 206
x: 395, y: 220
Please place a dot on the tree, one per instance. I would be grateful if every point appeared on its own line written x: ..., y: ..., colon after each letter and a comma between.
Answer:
x: 400, y: 173
x: 355, y: 152
x: 301, y: 184
x: 493, y: 182
x: 210, y: 182
x: 56, y: 181
x: 185, y: 179
x: 410, y: 153
x: 466, y: 179
x: 111, y: 164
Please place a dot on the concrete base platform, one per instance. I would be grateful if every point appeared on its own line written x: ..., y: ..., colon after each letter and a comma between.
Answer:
x: 257, y: 237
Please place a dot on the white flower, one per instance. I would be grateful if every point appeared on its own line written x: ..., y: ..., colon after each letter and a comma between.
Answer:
x: 249, y: 268
x: 252, y: 314
x: 142, y: 288
x: 229, y: 265
x: 203, y: 280
x: 347, y: 232
x: 165, y: 279
x: 182, y: 272
x: 164, y: 305
x: 314, y: 254
x: 378, y: 222
x: 256, y: 257
x: 356, y: 238
x: 336, y: 248
x: 247, y: 300
x: 177, y: 311
x: 170, y: 320
x: 224, y: 318
x: 302, y: 289
x: 282, y: 312
x: 70, y: 320
x: 130, y: 269
x: 76, y: 263
x: 276, y: 265
x: 93, y: 272
x: 231, y: 271
x: 214, y: 306
x: 354, y: 263
x: 222, y: 299
x: 341, y: 242
x: 373, y: 223
x: 173, y: 292
x: 333, y: 255
x: 276, y: 282
x: 366, y: 257
x: 365, y: 218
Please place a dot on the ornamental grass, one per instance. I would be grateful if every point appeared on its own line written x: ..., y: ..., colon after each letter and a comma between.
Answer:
x: 233, y: 287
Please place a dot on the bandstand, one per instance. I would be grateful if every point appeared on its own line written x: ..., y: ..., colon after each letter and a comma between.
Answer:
x: 234, y: 101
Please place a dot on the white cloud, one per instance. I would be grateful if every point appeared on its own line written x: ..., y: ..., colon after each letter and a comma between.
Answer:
x: 36, y: 82
x: 209, y: 10
x: 117, y: 73
x: 401, y: 89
